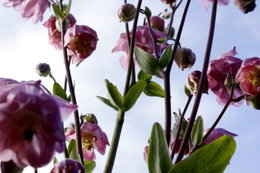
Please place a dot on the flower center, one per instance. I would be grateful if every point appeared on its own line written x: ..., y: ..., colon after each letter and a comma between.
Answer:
x: 81, y: 45
x: 88, y: 141
x: 254, y: 77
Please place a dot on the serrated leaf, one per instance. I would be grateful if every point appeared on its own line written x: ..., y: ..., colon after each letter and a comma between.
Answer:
x: 146, y: 61
x: 133, y: 94
x: 144, y: 76
x: 166, y: 57
x: 58, y: 12
x: 72, y: 146
x: 153, y: 89
x: 59, y: 91
x: 107, y: 102
x: 159, y: 160
x: 74, y: 155
x: 89, y: 166
x: 213, y: 157
x: 197, y: 132
x: 115, y: 97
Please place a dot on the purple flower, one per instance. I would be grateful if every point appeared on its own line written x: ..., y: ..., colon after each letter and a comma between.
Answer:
x: 217, y: 133
x: 245, y: 6
x: 220, y: 2
x: 168, y: 1
x: 193, y: 82
x: 68, y: 166
x: 92, y: 138
x: 33, y: 9
x: 157, y: 23
x: 219, y: 70
x: 30, y: 123
x: 81, y: 41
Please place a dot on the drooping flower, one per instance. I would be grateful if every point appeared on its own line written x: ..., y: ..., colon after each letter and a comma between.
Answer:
x: 80, y: 41
x: 33, y: 9
x: 193, y: 82
x: 143, y: 41
x: 185, y: 58
x: 43, y: 69
x: 68, y: 166
x: 225, y: 66
x: 157, y: 23
x: 30, y: 123
x: 54, y: 29
x: 92, y: 138
x: 168, y: 1
x: 220, y: 2
x: 126, y: 13
x: 245, y: 6
x: 217, y: 133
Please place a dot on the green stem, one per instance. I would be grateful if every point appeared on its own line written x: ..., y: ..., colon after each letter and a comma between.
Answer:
x: 201, y: 83
x: 114, y: 143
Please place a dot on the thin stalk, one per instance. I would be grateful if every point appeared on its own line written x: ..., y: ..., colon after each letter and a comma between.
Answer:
x: 71, y: 88
x: 167, y: 76
x: 179, y: 126
x: 201, y: 83
x: 153, y: 38
x: 221, y: 113
x: 114, y: 143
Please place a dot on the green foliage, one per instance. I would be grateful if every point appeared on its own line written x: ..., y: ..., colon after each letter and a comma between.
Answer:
x: 144, y: 76
x: 159, y: 160
x: 89, y: 165
x: 176, y: 126
x: 187, y: 91
x: 67, y: 10
x: 197, y: 132
x: 212, y: 158
x: 59, y: 91
x: 166, y: 57
x: 154, y: 89
x: 115, y: 97
x: 107, y: 102
x: 71, y: 146
x: 58, y: 12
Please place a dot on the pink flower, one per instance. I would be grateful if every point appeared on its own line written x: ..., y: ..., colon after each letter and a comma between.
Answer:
x: 143, y: 41
x: 30, y: 123
x: 69, y: 166
x: 220, y: 2
x: 218, y: 71
x: 157, y: 23
x: 92, y: 138
x: 168, y: 1
x: 33, y: 9
x: 217, y: 133
x: 54, y: 33
x: 81, y: 41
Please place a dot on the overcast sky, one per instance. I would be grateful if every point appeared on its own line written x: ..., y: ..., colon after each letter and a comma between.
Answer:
x: 23, y: 45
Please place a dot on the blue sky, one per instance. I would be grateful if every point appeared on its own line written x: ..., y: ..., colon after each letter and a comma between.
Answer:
x: 23, y: 45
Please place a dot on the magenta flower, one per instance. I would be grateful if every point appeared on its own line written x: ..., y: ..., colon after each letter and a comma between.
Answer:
x: 143, y: 41
x: 30, y: 123
x: 92, y: 138
x: 245, y: 6
x: 157, y: 23
x: 68, y: 166
x: 248, y: 76
x: 217, y: 133
x: 218, y: 71
x: 81, y: 41
x: 220, y: 2
x: 54, y: 29
x: 33, y: 9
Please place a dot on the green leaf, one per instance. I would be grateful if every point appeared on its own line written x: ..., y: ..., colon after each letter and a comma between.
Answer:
x: 71, y: 146
x: 107, y: 102
x: 154, y: 89
x: 133, y: 94
x: 59, y: 91
x: 144, y: 76
x: 55, y: 160
x: 187, y: 91
x: 166, y: 57
x: 197, y: 132
x: 74, y: 155
x: 115, y: 97
x: 89, y: 165
x: 176, y: 126
x: 213, y: 157
x: 159, y: 160
x: 67, y: 10
x: 146, y: 61
x: 58, y: 12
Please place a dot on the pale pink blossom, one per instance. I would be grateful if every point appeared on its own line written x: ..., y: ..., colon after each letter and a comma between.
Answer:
x: 220, y: 2
x: 68, y: 166
x: 33, y: 9
x: 80, y: 41
x: 218, y: 71
x: 30, y: 123
x: 217, y: 133
x: 92, y: 138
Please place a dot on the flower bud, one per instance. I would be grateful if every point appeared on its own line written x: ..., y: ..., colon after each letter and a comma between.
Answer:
x: 91, y: 118
x: 193, y: 82
x: 157, y: 23
x: 245, y: 6
x: 185, y: 58
x: 254, y: 101
x: 43, y: 69
x: 127, y: 12
x: 68, y: 166
x: 168, y: 1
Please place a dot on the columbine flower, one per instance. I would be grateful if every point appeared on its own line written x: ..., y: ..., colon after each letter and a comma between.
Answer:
x: 143, y: 41
x: 157, y: 23
x: 168, y: 1
x: 30, y: 123
x: 68, y: 166
x: 92, y: 138
x: 225, y: 66
x: 220, y: 2
x: 52, y: 24
x: 245, y: 6
x: 193, y: 82
x: 127, y: 12
x: 184, y: 58
x: 217, y: 133
x: 33, y: 9
x: 81, y: 41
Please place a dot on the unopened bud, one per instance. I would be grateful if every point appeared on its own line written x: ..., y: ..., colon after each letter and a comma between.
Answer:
x: 185, y: 58
x: 43, y: 69
x: 254, y: 101
x: 157, y: 23
x: 246, y: 6
x: 193, y: 82
x: 127, y: 12
x: 168, y: 1
x: 91, y: 118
